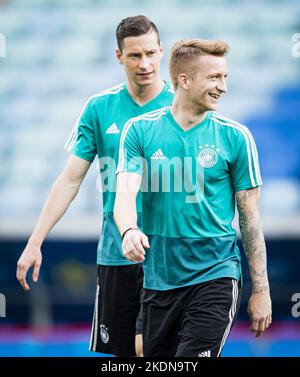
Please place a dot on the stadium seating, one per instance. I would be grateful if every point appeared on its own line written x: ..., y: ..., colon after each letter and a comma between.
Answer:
x: 60, y: 53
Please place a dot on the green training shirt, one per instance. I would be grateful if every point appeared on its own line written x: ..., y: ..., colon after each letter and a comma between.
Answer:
x: 97, y: 132
x: 189, y: 183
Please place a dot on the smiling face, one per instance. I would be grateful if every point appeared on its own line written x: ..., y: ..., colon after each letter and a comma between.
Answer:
x: 141, y: 57
x: 208, y: 81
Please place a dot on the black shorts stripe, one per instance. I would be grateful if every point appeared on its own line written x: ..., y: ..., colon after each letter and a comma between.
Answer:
x: 232, y: 313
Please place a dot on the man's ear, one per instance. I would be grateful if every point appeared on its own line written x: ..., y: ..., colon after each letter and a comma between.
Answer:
x: 161, y: 48
x: 183, y: 81
x: 119, y: 55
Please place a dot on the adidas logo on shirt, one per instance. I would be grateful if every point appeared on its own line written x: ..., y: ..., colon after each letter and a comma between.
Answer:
x: 113, y: 129
x: 205, y: 354
x: 158, y: 155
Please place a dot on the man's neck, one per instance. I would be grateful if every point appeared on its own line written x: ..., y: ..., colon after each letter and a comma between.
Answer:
x: 186, y: 114
x: 143, y: 94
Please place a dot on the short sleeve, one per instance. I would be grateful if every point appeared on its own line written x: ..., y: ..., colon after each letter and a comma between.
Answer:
x: 82, y: 141
x: 245, y: 169
x: 131, y: 150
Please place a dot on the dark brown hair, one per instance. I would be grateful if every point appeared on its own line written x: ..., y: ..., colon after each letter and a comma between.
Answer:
x: 134, y: 27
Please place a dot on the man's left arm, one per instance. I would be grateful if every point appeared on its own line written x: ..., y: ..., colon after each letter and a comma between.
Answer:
x: 259, y: 306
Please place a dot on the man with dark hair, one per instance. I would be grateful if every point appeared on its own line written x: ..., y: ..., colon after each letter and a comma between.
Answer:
x: 134, y: 27
x: 196, y: 165
x: 97, y: 132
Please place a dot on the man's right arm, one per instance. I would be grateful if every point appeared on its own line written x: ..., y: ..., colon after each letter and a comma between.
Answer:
x: 61, y: 195
x: 129, y: 178
x: 125, y: 216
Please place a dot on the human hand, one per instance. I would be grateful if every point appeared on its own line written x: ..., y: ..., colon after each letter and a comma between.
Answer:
x: 134, y: 244
x: 31, y: 257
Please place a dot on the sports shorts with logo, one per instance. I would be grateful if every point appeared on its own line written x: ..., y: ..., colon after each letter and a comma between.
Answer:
x: 192, y: 321
x: 117, y: 307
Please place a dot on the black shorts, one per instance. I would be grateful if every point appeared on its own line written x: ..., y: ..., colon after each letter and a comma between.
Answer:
x: 117, y: 306
x: 190, y: 321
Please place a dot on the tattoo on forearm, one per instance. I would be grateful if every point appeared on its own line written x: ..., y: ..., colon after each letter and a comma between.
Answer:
x: 252, y: 238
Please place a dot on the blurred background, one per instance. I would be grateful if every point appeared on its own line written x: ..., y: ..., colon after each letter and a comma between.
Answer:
x: 53, y: 56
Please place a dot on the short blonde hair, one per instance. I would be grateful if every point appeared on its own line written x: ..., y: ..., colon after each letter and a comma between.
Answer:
x: 185, y: 51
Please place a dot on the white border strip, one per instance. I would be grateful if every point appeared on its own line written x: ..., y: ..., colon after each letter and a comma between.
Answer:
x: 153, y: 115
x: 247, y: 146
x: 232, y: 311
x: 94, y: 332
x: 74, y: 133
x: 244, y: 129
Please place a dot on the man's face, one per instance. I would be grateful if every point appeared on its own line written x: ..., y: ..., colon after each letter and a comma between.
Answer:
x: 141, y: 58
x: 209, y: 83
